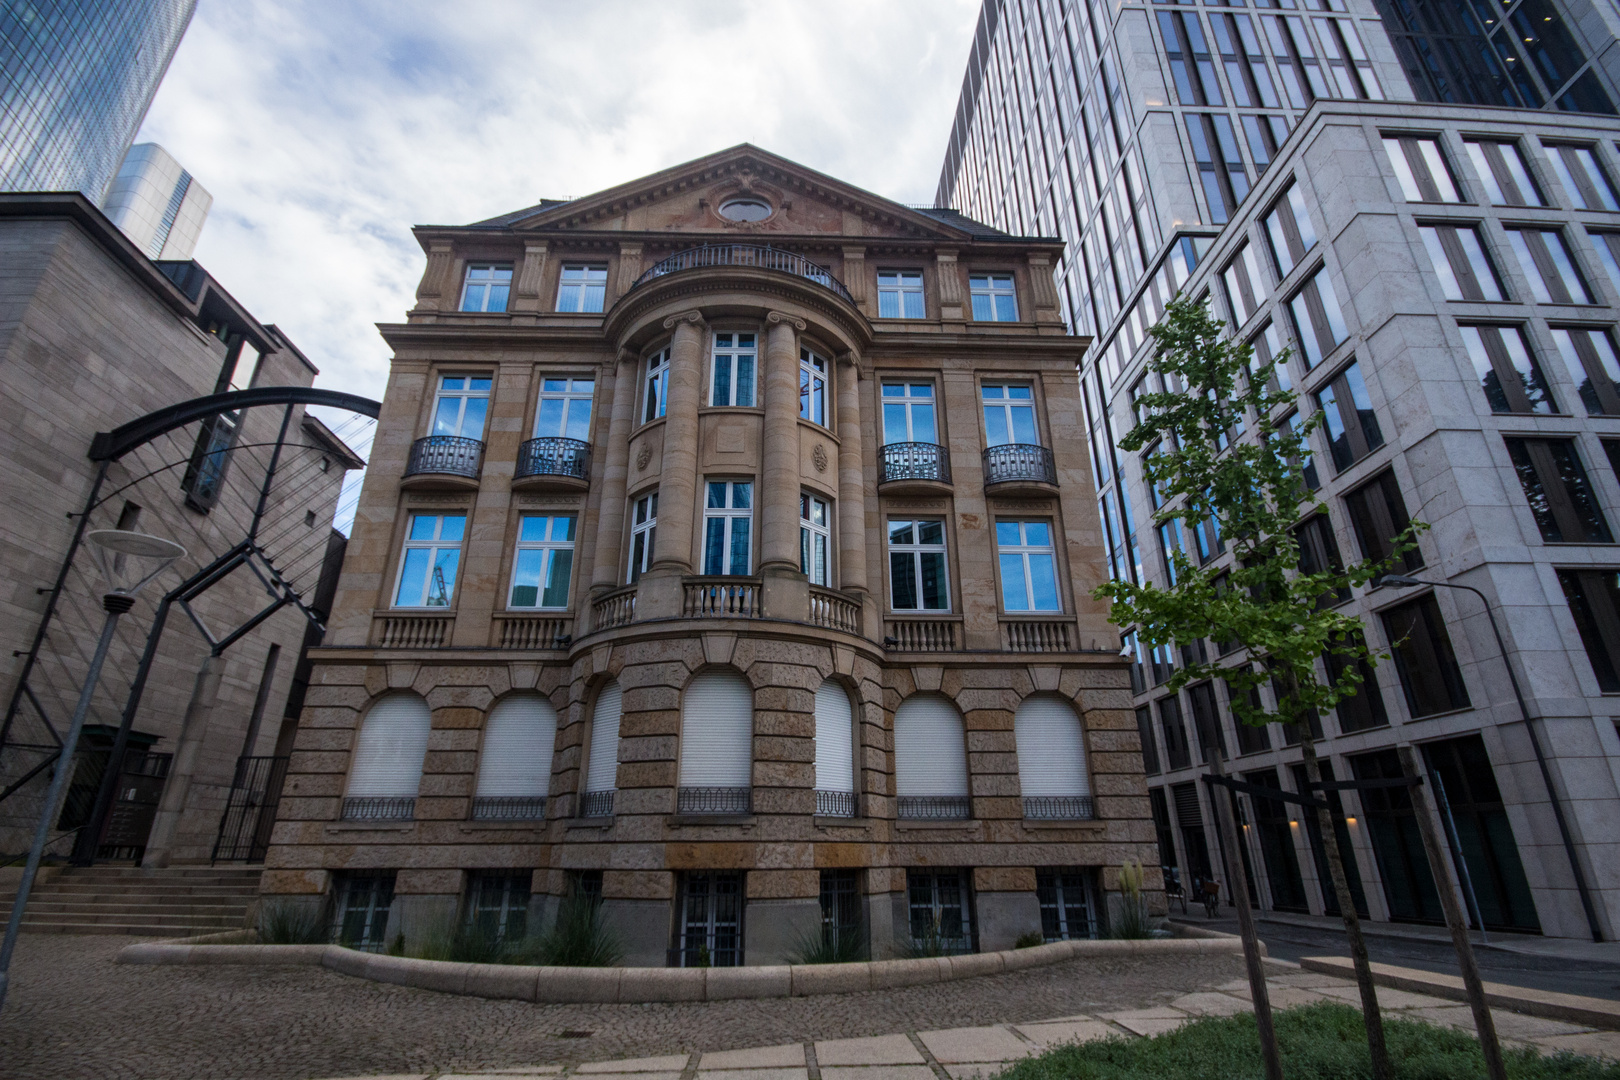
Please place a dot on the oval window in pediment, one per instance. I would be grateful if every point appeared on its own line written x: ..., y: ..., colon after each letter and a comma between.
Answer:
x: 745, y: 208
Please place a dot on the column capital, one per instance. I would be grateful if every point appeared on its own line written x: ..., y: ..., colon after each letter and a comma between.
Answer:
x: 793, y: 321
x: 693, y: 316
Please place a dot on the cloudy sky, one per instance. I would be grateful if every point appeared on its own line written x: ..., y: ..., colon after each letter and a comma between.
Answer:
x: 325, y: 130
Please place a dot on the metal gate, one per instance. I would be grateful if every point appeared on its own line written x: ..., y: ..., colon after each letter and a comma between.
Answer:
x: 140, y: 789
x: 250, y: 811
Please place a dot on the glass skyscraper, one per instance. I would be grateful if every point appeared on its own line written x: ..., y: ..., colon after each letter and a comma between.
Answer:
x: 76, y: 78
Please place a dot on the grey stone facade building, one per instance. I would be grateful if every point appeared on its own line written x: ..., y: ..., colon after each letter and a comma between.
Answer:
x: 1328, y: 175
x: 726, y: 553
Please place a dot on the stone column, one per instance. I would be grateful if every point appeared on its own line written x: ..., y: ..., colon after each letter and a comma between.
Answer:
x: 660, y: 594
x: 193, y: 729
x: 851, y: 479
x: 615, y: 474
x: 778, y: 496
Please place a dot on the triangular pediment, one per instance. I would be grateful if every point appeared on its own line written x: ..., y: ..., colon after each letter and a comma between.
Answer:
x: 689, y: 198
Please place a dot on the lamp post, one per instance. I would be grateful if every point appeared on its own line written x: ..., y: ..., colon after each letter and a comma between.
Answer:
x: 128, y: 561
x: 1401, y: 581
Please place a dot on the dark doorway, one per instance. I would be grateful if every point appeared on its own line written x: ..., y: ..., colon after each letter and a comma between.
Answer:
x: 1341, y: 832
x: 1271, y: 822
x: 1194, y: 843
x: 1397, y: 845
x: 1483, y: 833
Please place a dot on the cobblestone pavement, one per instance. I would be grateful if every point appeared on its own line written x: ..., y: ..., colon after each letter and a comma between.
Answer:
x: 975, y: 1053
x: 73, y: 1013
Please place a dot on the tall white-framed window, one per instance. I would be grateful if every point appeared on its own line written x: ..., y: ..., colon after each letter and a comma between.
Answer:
x: 993, y: 298
x: 544, y: 564
x: 1028, y: 566
x: 1052, y: 771
x: 427, y: 566
x: 731, y: 373
x: 657, y: 385
x: 564, y: 409
x: 815, y: 538
x: 388, y: 753
x: 514, y: 763
x: 461, y: 405
x: 900, y: 295
x: 643, y: 533
x: 728, y: 520
x: 602, y: 764
x: 1009, y: 414
x: 835, y: 751
x: 486, y: 287
x: 908, y: 413
x: 918, y: 578
x: 581, y: 287
x: 813, y: 386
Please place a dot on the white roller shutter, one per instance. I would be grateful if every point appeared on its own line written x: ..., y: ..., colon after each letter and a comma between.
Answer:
x: 518, y: 739
x: 835, y: 739
x: 1051, y: 749
x: 388, y: 755
x: 930, y: 751
x: 602, y: 771
x: 717, y: 732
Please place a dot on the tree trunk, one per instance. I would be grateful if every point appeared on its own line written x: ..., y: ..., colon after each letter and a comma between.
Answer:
x: 1347, y: 908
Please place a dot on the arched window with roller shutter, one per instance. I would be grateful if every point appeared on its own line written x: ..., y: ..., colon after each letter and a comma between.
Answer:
x: 514, y: 770
x: 602, y: 764
x: 717, y: 745
x: 835, y: 751
x: 930, y: 759
x: 388, y: 755
x: 1052, y: 760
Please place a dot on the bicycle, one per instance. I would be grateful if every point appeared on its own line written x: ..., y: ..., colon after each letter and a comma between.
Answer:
x: 1212, y: 898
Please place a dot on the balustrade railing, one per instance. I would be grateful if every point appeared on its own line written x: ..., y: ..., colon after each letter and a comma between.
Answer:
x: 1038, y: 635
x: 835, y: 803
x: 550, y: 456
x: 509, y: 808
x: 922, y: 635
x: 714, y: 800
x: 595, y: 804
x: 1059, y: 807
x: 934, y: 807
x: 722, y: 598
x: 834, y: 610
x: 762, y: 256
x: 514, y: 631
x: 1019, y: 461
x: 379, y: 808
x: 445, y: 455
x: 616, y: 608
x: 418, y: 630
x: 914, y: 461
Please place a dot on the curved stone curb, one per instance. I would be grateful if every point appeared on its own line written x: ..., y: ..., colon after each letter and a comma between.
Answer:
x: 639, y: 985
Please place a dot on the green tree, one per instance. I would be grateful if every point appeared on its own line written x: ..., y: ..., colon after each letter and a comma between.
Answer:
x: 1247, y: 487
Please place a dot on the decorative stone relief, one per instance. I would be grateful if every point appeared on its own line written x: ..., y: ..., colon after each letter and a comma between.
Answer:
x: 818, y: 458
x: 643, y: 457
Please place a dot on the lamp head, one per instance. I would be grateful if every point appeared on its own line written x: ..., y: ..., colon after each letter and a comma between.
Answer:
x: 1400, y: 581
x: 129, y: 560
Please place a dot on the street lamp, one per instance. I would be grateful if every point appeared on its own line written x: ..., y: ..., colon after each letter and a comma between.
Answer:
x: 1401, y: 581
x: 128, y: 561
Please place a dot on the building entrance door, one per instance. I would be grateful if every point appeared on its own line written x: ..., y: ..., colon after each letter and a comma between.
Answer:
x: 1484, y: 833
x: 1397, y: 845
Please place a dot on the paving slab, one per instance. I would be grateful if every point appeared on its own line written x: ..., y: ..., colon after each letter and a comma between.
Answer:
x: 1072, y: 1031
x: 1209, y: 1004
x: 1387, y: 998
x: 801, y: 1073
x: 981, y: 1070
x: 1602, y: 1044
x: 788, y: 1055
x: 957, y: 1046
x: 878, y: 1072
x: 873, y: 1050
x: 1151, y: 1025
x: 667, y: 1063
x: 527, y: 1070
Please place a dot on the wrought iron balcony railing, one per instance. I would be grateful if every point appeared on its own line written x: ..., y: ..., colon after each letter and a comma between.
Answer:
x: 914, y: 461
x: 1059, y: 807
x: 445, y: 455
x: 596, y: 804
x: 379, y: 808
x: 835, y: 803
x: 714, y: 800
x: 935, y: 807
x: 550, y: 456
x: 1019, y: 462
x: 509, y: 808
x: 764, y: 257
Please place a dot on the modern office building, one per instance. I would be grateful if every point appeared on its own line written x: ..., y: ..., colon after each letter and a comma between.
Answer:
x: 157, y: 203
x: 1415, y: 199
x: 726, y: 553
x: 76, y: 79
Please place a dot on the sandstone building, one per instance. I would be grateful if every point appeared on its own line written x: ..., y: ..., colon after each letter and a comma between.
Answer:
x: 726, y: 551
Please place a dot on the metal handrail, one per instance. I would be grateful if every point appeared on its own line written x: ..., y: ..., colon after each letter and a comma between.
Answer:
x: 914, y: 461
x: 763, y: 256
x: 1059, y: 807
x: 1019, y: 461
x: 714, y: 800
x: 445, y: 455
x: 596, y: 804
x: 835, y: 803
x: 935, y: 807
x: 553, y: 456
x: 379, y: 808
x: 508, y: 807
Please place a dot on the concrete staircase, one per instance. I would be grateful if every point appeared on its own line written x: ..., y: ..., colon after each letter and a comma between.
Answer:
x: 174, y: 902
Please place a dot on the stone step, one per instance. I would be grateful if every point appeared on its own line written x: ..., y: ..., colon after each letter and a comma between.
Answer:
x: 182, y: 920
x: 73, y: 888
x: 132, y: 929
x: 56, y: 908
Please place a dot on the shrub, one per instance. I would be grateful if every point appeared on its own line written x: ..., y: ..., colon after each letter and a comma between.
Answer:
x: 1318, y: 1042
x: 576, y: 939
x: 287, y: 922
x: 462, y: 943
x: 846, y: 946
x: 1029, y: 939
x: 1133, y: 921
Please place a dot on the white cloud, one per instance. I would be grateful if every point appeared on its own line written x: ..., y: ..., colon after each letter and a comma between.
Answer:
x: 325, y: 130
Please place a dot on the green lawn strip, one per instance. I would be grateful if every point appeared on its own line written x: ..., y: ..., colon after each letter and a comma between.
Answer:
x: 1318, y: 1042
